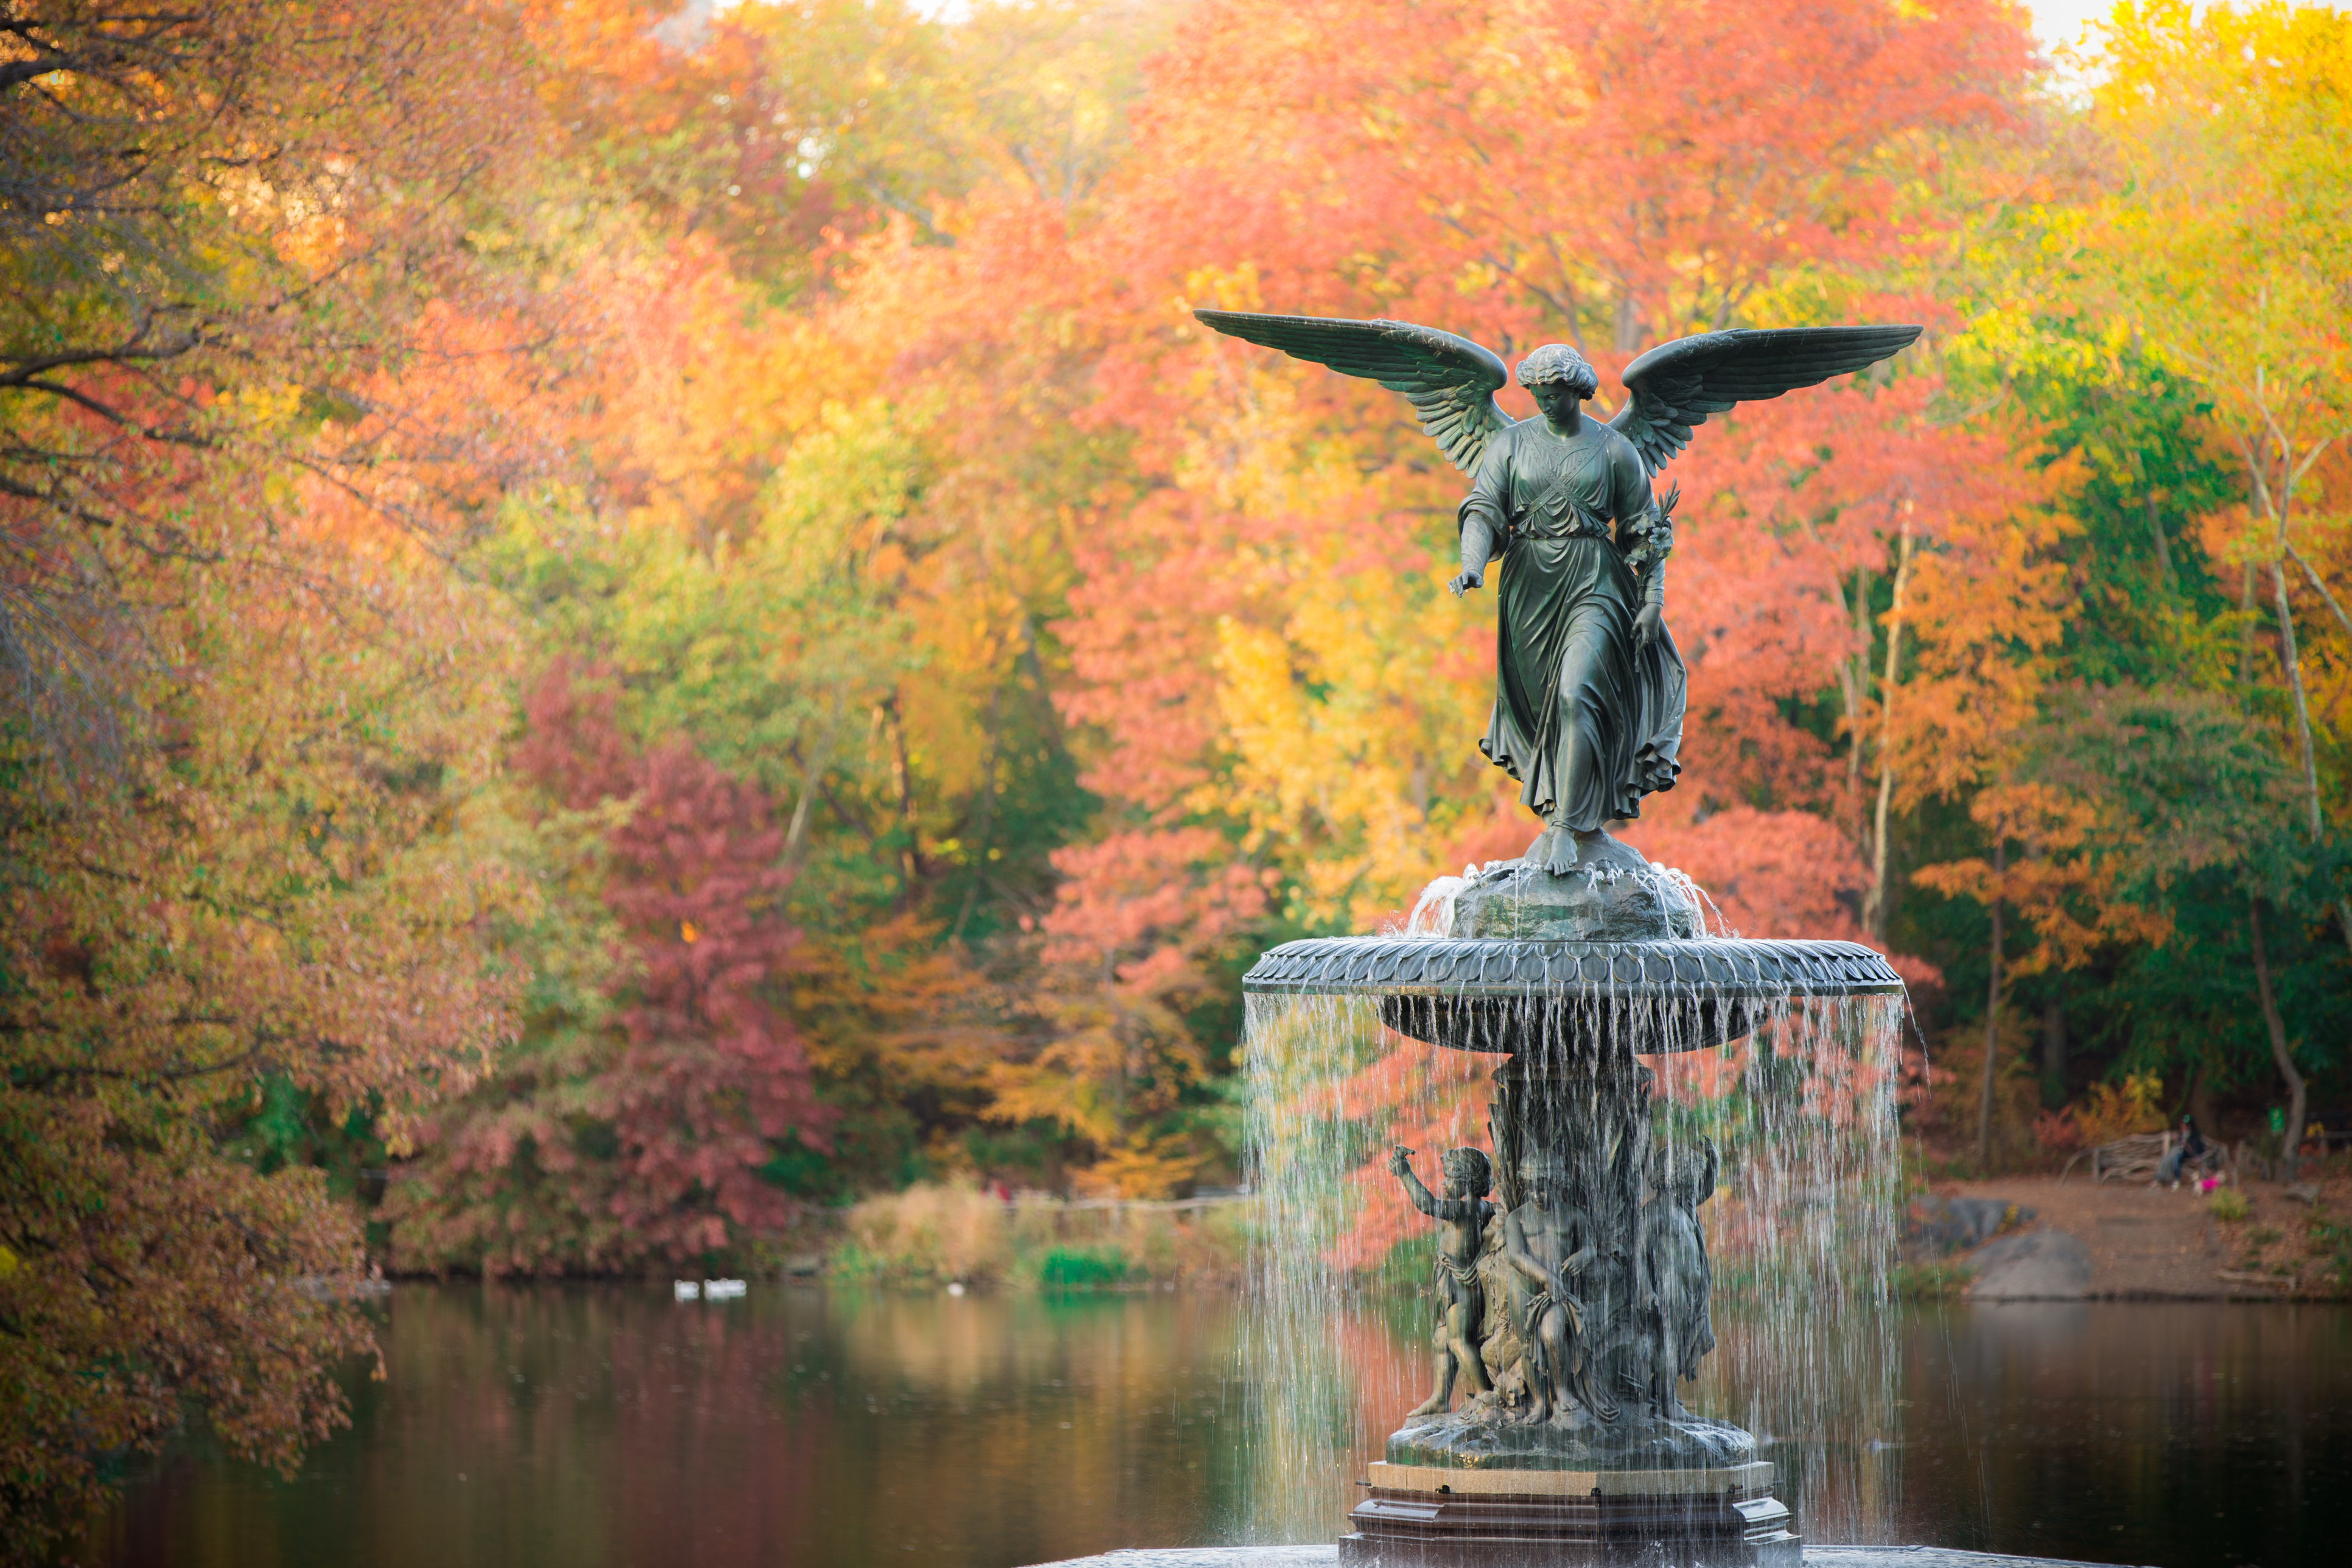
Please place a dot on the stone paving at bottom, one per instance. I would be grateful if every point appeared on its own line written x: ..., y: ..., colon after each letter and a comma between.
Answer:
x: 1307, y: 1556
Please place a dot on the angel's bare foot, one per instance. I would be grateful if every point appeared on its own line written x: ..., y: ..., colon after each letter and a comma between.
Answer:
x: 1433, y: 1405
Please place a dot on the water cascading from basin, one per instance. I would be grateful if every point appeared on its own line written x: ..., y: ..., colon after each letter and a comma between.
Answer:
x: 1782, y: 1055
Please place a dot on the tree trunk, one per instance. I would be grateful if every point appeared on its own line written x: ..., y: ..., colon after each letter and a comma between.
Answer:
x: 1856, y: 681
x: 1874, y: 898
x: 2053, y: 1051
x: 902, y: 780
x: 2163, y: 545
x: 2291, y: 658
x: 1992, y: 1020
x: 820, y: 758
x: 2200, y: 1099
x: 2296, y: 1108
x: 987, y: 813
x: 2246, y: 637
x: 2343, y: 906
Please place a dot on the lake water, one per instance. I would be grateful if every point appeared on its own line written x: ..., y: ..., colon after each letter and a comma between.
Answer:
x: 587, y: 1426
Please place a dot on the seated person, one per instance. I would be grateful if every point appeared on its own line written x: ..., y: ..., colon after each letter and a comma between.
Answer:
x: 2190, y: 1148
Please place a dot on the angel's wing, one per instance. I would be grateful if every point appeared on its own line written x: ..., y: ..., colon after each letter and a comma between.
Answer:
x: 1451, y: 381
x: 1677, y: 385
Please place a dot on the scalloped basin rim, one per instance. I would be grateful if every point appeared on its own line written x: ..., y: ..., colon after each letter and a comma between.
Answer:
x: 1727, y: 967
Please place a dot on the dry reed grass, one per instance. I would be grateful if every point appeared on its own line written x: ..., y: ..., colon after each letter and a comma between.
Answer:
x: 933, y: 1234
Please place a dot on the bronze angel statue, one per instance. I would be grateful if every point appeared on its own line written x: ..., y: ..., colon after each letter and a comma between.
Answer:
x: 1588, y: 689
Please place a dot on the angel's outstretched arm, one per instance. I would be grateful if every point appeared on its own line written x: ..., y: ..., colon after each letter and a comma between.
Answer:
x: 1484, y: 518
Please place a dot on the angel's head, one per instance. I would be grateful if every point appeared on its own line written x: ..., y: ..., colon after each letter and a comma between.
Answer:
x: 1557, y: 365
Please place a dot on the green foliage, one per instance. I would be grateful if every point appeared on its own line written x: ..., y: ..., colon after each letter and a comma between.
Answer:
x: 2331, y: 1241
x: 2229, y: 1205
x: 1082, y: 1268
x: 1933, y: 1281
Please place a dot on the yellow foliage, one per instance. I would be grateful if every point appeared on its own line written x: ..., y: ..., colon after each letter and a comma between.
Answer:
x: 2118, y: 1110
x: 1152, y: 1168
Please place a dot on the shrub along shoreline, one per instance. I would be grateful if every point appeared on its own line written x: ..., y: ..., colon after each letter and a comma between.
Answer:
x: 939, y: 1234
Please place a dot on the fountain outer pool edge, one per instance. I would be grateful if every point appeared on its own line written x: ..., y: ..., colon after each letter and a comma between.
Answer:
x: 1319, y: 1555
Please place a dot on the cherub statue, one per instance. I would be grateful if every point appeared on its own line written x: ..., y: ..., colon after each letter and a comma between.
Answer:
x: 1588, y: 690
x: 1548, y: 1241
x: 1676, y: 1278
x: 1461, y: 1298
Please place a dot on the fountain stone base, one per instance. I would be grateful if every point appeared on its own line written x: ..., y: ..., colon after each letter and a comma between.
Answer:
x: 1700, y: 1517
x: 1478, y: 1489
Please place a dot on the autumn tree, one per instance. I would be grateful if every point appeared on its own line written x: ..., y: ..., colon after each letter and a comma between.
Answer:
x: 247, y: 712
x: 659, y: 1077
x: 2227, y: 251
x: 282, y: 889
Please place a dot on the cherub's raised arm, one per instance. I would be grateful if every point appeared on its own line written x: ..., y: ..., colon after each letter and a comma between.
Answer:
x: 1424, y: 1200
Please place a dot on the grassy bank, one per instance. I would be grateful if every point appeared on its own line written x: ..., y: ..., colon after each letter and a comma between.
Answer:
x: 936, y: 1235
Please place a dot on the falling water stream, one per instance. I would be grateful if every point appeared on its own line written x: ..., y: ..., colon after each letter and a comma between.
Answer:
x: 1800, y: 1230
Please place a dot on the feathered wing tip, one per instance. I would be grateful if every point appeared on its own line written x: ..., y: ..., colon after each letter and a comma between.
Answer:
x: 1450, y: 381
x: 1674, y: 386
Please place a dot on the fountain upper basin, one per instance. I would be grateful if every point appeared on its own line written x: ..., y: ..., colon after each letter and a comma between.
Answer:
x: 1486, y: 994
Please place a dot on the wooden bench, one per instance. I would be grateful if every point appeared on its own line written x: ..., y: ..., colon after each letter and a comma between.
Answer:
x: 2137, y: 1157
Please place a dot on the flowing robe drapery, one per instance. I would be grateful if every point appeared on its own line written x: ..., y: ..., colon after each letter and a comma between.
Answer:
x: 1585, y: 718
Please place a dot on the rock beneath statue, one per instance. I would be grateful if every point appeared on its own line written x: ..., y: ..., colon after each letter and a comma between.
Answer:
x: 1486, y: 1439
x: 2032, y: 1266
x: 1612, y: 894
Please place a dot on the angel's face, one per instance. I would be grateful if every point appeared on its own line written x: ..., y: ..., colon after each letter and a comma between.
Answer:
x: 1557, y: 399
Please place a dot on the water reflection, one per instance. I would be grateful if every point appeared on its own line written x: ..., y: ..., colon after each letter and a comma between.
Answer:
x: 2156, y: 1433
x: 610, y: 1425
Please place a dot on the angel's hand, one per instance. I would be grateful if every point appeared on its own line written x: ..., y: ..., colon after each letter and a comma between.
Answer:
x: 1399, y: 1160
x: 1649, y: 624
x: 1465, y: 581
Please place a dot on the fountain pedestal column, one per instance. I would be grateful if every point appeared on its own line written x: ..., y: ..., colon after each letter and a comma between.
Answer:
x: 1597, y: 1282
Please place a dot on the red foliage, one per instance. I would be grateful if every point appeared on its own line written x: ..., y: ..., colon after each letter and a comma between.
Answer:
x: 712, y: 1069
x: 694, y: 1073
